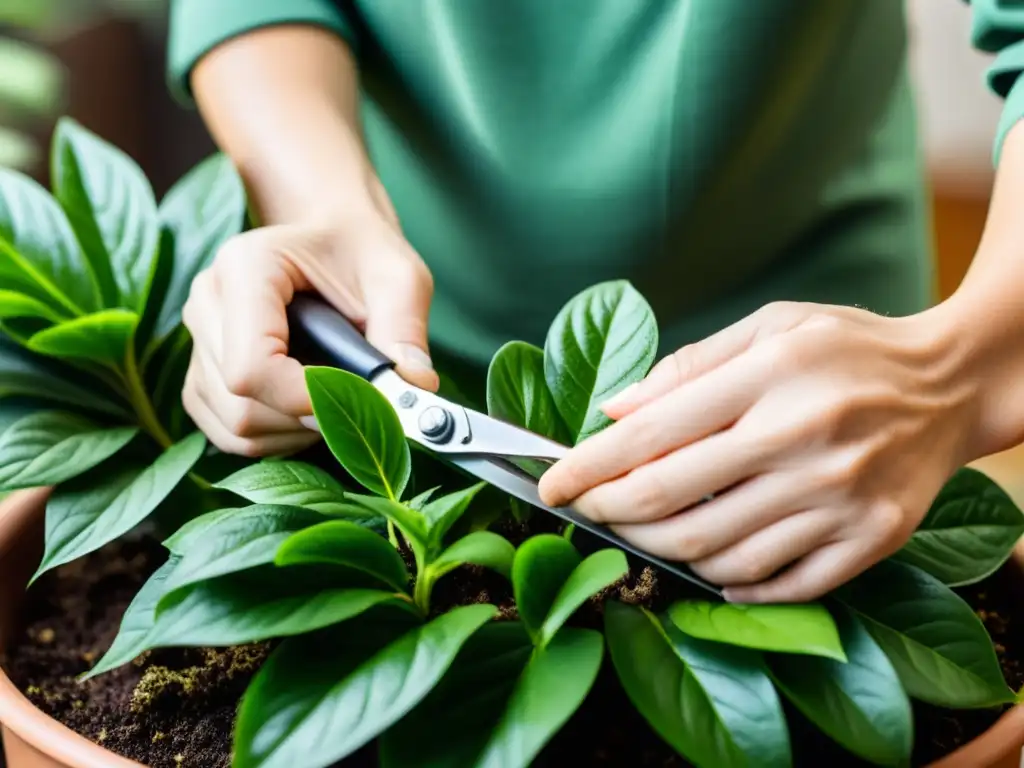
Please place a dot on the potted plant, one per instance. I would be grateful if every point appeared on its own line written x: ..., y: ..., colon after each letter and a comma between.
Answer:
x: 368, y: 608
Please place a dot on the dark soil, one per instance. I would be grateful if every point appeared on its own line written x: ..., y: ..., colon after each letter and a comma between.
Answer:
x: 176, y: 708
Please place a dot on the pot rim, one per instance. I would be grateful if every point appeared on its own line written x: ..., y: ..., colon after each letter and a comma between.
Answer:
x: 55, y: 740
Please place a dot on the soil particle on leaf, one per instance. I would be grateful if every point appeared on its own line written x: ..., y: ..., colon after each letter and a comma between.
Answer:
x: 175, y: 708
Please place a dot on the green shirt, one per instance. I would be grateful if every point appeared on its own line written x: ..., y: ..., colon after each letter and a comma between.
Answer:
x: 719, y: 154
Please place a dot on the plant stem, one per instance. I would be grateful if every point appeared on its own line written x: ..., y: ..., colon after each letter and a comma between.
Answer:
x: 424, y: 586
x: 392, y: 535
x: 140, y: 401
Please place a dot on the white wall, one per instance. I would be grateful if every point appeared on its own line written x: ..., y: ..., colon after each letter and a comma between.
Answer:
x: 958, y: 112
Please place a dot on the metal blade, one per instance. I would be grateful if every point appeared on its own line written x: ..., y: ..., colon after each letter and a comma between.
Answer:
x: 514, y: 481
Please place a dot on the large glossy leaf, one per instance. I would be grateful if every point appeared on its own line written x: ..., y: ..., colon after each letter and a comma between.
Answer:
x: 805, y: 629
x: 51, y: 447
x: 361, y: 429
x: 969, y: 531
x: 503, y: 701
x: 89, y: 512
x: 111, y: 208
x: 860, y: 704
x: 936, y: 643
x: 136, y: 622
x: 202, y: 210
x: 291, y: 482
x: 484, y: 548
x: 104, y: 337
x: 264, y: 603
x: 35, y: 227
x: 243, y: 540
x: 517, y: 391
x: 595, y: 573
x: 603, y: 340
x: 541, y: 567
x: 23, y: 374
x: 712, y: 702
x: 319, y: 699
x: 340, y: 542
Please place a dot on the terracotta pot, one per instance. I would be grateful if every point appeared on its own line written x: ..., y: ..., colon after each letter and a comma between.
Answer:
x: 35, y: 740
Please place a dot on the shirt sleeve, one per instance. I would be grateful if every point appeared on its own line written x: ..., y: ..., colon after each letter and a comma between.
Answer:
x: 997, y: 26
x: 198, y: 26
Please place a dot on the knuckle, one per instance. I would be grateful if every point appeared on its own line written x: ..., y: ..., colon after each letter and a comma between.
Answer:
x: 242, y: 422
x: 753, y: 569
x: 888, y: 520
x: 690, y: 546
x: 648, y: 497
x: 241, y: 381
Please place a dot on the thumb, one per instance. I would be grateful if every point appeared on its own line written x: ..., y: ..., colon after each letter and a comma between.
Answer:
x: 686, y: 364
x: 397, y: 299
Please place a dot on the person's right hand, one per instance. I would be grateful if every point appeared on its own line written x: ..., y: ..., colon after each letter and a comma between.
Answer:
x: 242, y: 389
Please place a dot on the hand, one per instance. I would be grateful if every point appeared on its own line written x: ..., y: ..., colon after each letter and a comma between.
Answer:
x: 242, y: 389
x: 823, y: 432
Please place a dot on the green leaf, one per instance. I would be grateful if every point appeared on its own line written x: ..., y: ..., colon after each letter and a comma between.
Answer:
x: 136, y: 622
x: 262, y: 603
x: 603, y: 340
x: 410, y: 522
x: 800, y: 628
x: 14, y: 304
x: 28, y: 375
x: 361, y: 429
x: 194, y: 532
x: 201, y: 211
x: 91, y: 511
x: 343, y: 543
x: 36, y: 228
x: 50, y: 447
x: 599, y: 570
x: 502, y: 701
x: 541, y: 567
x: 713, y: 703
x: 969, y: 531
x: 518, y: 393
x: 936, y: 643
x: 110, y: 205
x: 243, y: 540
x: 860, y: 704
x: 484, y: 548
x: 292, y: 482
x: 317, y: 700
x: 165, y: 369
x: 419, y: 501
x: 104, y: 337
x: 441, y: 514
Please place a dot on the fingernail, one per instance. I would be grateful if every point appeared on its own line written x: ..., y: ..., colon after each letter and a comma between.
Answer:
x: 309, y: 422
x: 412, y: 356
x: 621, y: 397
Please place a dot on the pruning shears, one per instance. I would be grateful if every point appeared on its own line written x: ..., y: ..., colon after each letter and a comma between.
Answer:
x: 476, y: 443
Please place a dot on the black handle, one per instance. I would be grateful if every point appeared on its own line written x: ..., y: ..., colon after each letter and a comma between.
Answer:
x: 318, y: 331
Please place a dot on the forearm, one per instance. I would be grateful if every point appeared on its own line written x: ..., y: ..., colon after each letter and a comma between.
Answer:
x: 984, y: 319
x: 282, y: 102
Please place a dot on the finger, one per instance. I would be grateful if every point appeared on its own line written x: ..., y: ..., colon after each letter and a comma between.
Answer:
x: 810, y: 578
x: 397, y: 295
x: 269, y: 445
x: 241, y: 416
x: 723, y: 521
x: 687, y: 414
x: 766, y: 552
x: 255, y: 362
x: 694, y: 360
x: 663, y: 487
x: 201, y: 314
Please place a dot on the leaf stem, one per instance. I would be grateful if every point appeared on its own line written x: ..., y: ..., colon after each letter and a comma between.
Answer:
x: 424, y: 586
x: 139, y: 399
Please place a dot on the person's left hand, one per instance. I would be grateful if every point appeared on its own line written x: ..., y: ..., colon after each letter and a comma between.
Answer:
x: 824, y: 433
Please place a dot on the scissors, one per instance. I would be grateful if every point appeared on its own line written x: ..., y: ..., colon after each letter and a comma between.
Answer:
x: 478, y: 444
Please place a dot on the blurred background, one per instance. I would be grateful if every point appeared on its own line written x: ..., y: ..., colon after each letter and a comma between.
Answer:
x: 101, y: 61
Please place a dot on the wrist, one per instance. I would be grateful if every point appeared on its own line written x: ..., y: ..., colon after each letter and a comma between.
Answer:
x: 978, y: 333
